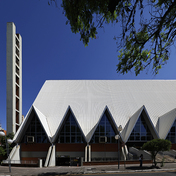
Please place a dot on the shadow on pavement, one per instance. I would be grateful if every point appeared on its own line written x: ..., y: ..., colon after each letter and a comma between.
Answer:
x: 142, y: 168
x: 52, y: 173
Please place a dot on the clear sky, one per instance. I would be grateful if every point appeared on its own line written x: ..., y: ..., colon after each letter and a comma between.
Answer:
x: 50, y: 51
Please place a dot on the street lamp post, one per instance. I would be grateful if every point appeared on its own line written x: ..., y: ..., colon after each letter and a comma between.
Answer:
x: 117, y: 137
x: 7, y: 141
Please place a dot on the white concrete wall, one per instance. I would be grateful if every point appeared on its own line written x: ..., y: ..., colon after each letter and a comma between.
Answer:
x: 15, y: 154
x: 11, y: 78
x: 10, y: 53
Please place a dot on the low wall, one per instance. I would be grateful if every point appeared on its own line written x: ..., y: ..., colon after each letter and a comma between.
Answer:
x: 115, y: 162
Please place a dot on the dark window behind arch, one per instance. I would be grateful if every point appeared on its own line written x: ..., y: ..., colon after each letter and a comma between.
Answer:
x: 36, y: 130
x: 104, y: 128
x: 141, y: 131
x: 70, y: 132
x: 171, y: 135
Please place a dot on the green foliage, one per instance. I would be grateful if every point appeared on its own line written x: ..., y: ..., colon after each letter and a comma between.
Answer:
x: 144, y: 40
x: 81, y: 14
x: 155, y: 146
x: 3, y: 149
x: 162, y: 162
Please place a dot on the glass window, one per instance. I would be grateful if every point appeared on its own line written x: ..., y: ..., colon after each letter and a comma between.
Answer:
x: 131, y: 138
x: 171, y: 135
x: 78, y: 138
x: 67, y: 129
x: 173, y: 129
x: 71, y: 131
x: 143, y: 138
x: 96, y: 139
x: 137, y: 128
x: 104, y: 129
x: 61, y: 139
x: 143, y: 128
x: 67, y: 139
x: 140, y: 132
x: 36, y: 130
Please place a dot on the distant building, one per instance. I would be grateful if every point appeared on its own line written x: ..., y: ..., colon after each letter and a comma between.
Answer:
x: 1, y: 129
x: 13, y: 79
x: 74, y: 119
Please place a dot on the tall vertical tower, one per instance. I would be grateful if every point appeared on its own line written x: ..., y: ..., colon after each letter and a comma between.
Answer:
x: 13, y: 79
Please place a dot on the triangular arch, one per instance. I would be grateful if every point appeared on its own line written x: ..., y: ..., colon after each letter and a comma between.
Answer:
x: 22, y: 127
x: 33, y: 127
x: 165, y: 123
x: 139, y: 128
x: 69, y: 130
x: 105, y: 127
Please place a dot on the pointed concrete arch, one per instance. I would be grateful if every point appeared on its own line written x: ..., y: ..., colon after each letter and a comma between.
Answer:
x: 112, y: 121
x: 133, y: 120
x: 68, y: 111
x: 22, y: 127
x: 42, y: 119
x: 165, y: 123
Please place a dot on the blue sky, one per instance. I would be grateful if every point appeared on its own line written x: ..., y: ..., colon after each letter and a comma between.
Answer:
x: 50, y: 51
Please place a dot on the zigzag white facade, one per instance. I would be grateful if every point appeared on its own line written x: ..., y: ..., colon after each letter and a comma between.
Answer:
x: 150, y: 104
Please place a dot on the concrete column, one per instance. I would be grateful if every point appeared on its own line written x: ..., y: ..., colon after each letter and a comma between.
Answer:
x: 86, y: 153
x: 52, y: 161
x: 124, y: 154
x: 89, y: 153
x: 48, y: 156
x: 15, y: 154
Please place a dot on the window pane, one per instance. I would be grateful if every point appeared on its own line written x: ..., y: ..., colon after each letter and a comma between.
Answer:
x: 72, y: 139
x: 79, y: 139
x: 173, y: 129
x: 73, y: 128
x: 137, y: 138
x: 141, y: 132
x: 131, y: 138
x: 62, y: 139
x: 33, y: 128
x: 36, y: 130
x: 108, y: 139
x: 67, y: 139
x: 143, y: 138
x: 97, y: 139
x: 67, y: 128
x: 39, y: 129
x: 172, y: 132
x: 137, y: 128
x: 113, y: 140
x: 104, y: 129
x: 71, y: 131
x: 143, y: 128
x: 39, y: 139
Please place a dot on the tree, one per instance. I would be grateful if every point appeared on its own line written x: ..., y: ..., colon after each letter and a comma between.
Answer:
x: 148, y: 28
x: 3, y: 150
x: 155, y: 146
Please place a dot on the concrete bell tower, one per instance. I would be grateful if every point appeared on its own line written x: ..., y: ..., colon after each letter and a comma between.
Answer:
x: 13, y: 79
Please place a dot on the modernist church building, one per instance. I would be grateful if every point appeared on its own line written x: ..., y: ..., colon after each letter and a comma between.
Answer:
x: 73, y: 119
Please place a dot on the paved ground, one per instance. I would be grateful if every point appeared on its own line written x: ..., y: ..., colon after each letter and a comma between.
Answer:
x: 69, y: 170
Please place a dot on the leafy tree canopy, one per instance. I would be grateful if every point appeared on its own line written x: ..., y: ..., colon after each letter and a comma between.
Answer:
x: 148, y: 28
x: 3, y: 150
x: 155, y: 146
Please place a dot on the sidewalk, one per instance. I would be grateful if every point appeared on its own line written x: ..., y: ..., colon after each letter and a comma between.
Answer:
x: 63, y: 170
